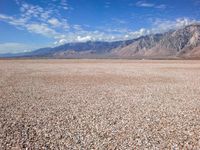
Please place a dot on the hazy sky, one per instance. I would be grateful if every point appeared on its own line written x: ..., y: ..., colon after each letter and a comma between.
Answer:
x: 30, y: 24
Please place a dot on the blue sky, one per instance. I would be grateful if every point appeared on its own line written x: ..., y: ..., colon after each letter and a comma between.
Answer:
x: 30, y: 24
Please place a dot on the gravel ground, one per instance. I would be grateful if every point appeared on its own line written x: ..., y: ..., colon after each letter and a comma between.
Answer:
x: 99, y: 104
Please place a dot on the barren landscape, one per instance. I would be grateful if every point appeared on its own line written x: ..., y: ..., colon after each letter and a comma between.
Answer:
x: 99, y: 104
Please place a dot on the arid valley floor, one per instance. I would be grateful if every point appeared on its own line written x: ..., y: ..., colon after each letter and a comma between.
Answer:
x: 99, y: 104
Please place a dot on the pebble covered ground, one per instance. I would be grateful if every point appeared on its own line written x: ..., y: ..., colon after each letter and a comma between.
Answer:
x: 99, y: 104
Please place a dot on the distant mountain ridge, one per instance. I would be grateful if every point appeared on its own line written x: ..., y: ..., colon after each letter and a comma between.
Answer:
x: 181, y: 43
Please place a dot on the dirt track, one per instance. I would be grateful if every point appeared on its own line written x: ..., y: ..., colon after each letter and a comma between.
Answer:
x: 99, y: 104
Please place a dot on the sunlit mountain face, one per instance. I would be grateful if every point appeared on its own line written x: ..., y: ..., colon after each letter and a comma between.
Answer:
x: 27, y: 25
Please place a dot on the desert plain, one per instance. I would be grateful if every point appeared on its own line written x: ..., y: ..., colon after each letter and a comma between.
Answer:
x: 99, y: 104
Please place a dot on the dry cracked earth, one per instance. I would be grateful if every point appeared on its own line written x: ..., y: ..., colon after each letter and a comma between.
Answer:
x: 99, y: 104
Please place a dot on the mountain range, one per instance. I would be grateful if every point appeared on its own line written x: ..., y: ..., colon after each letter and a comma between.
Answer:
x: 180, y: 43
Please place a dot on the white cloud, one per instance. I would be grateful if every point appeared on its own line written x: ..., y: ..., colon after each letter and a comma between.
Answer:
x: 54, y: 22
x: 60, y: 42
x: 29, y: 11
x: 84, y: 38
x: 161, y: 25
x: 140, y: 32
x: 77, y: 27
x: 42, y: 29
x: 4, y: 17
x: 44, y: 15
x: 12, y: 21
x: 64, y: 4
x: 146, y: 4
x: 181, y: 22
x: 38, y: 28
x: 36, y: 19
